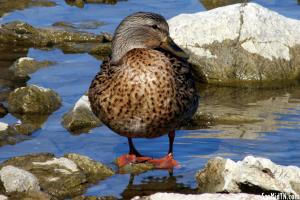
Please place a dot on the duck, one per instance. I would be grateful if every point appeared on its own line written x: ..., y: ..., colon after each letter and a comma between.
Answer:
x: 145, y: 88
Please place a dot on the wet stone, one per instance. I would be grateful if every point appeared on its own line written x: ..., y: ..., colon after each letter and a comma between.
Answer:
x: 26, y: 65
x: 95, y: 198
x: 22, y: 34
x: 251, y: 175
x: 136, y: 168
x: 33, y: 99
x: 61, y: 177
x: 80, y: 118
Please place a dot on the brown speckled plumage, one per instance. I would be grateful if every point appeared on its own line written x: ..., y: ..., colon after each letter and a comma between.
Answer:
x: 146, y: 93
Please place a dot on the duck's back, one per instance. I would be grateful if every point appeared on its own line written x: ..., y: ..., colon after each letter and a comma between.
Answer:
x: 146, y: 95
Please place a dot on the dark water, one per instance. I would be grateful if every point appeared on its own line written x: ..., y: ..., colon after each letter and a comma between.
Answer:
x: 276, y: 137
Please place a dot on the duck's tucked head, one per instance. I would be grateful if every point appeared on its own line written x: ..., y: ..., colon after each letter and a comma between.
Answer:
x: 143, y: 30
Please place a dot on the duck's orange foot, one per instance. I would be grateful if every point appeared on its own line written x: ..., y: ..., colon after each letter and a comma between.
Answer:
x: 130, y: 159
x: 166, y: 162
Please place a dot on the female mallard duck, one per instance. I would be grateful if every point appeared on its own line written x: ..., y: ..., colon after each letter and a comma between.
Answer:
x: 146, y: 88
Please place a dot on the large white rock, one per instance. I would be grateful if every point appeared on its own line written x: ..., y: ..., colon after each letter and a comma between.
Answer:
x: 240, y: 42
x: 18, y: 180
x: 252, y: 174
x: 173, y: 196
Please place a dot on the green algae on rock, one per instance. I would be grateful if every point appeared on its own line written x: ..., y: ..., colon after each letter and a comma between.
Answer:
x: 22, y: 34
x: 33, y: 99
x: 60, y: 177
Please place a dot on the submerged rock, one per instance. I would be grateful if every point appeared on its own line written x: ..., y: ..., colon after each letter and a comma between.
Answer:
x: 174, y: 196
x: 26, y: 65
x: 136, y: 168
x: 33, y: 99
x: 240, y: 44
x: 252, y: 175
x: 18, y: 180
x: 80, y: 118
x: 60, y: 177
x: 78, y: 26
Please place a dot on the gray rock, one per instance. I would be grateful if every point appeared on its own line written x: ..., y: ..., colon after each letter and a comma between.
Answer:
x: 34, y: 100
x: 61, y: 177
x: 255, y: 175
x: 240, y: 44
x: 174, y: 196
x: 80, y: 118
x: 18, y: 180
x: 26, y: 65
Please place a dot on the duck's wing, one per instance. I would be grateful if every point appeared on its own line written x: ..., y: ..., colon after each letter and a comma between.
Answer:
x: 101, y: 82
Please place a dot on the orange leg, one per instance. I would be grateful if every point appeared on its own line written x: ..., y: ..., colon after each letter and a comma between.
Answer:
x: 132, y: 157
x: 166, y: 162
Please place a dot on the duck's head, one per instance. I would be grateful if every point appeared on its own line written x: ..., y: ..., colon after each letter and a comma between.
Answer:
x: 143, y: 30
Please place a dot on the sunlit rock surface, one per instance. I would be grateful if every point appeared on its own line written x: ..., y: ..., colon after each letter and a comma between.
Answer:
x: 174, y: 196
x: 252, y: 175
x: 241, y: 42
x: 58, y: 177
x: 18, y: 180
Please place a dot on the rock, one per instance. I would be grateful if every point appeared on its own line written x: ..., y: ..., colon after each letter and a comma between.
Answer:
x: 80, y: 118
x: 60, y: 177
x: 80, y: 3
x: 33, y: 99
x: 26, y: 65
x: 18, y: 180
x: 94, y: 170
x: 22, y: 34
x: 241, y: 44
x: 9, y: 6
x: 78, y: 26
x: 136, y: 168
x: 211, y: 4
x: 252, y: 175
x: 3, y: 126
x: 3, y: 110
x: 174, y: 196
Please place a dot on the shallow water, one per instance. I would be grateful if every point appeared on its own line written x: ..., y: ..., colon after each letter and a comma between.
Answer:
x: 275, y: 137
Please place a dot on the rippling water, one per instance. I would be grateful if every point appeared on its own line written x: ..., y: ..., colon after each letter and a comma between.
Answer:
x: 276, y: 136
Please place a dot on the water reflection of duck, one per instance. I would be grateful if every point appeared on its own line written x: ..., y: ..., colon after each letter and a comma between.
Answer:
x: 146, y: 88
